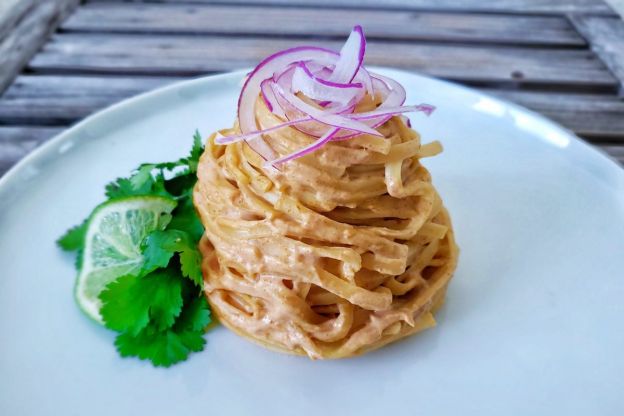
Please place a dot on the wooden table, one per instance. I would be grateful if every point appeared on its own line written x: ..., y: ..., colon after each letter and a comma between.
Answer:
x: 61, y: 60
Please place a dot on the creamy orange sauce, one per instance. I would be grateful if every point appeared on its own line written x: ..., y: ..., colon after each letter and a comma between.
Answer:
x: 331, y: 255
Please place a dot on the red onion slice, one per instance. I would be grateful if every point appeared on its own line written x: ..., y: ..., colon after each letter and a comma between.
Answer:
x: 392, y: 111
x: 324, y: 117
x: 364, y: 77
x: 312, y: 128
x: 266, y: 69
x: 389, y: 86
x: 335, y: 82
x: 305, y: 81
x: 269, y: 98
x: 351, y: 57
x: 407, y: 121
x: 254, y: 134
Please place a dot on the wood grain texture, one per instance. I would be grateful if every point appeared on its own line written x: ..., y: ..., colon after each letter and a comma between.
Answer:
x: 524, y: 51
x: 59, y: 100
x: 615, y: 152
x: 196, y: 55
x: 17, y: 141
x: 284, y: 21
x: 504, y: 6
x: 11, y: 11
x: 606, y: 36
x: 594, y: 116
x: 25, y: 26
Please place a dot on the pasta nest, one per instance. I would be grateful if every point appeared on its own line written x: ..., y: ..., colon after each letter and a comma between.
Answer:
x: 331, y: 255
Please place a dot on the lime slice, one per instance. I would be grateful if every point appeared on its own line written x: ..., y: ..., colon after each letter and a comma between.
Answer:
x: 112, y: 246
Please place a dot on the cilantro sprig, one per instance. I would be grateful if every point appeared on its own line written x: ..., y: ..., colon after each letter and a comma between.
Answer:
x: 159, y: 311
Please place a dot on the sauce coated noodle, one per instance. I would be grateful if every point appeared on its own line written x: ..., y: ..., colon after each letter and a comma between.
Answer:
x: 334, y: 254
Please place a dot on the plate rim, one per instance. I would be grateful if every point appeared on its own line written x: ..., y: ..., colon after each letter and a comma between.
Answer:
x: 109, y: 111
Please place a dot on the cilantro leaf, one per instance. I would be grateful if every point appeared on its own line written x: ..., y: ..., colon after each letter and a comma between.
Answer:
x: 130, y: 303
x: 191, y: 259
x: 196, y: 152
x: 160, y: 246
x: 162, y: 348
x: 160, y: 312
x: 189, y: 163
x: 172, y: 345
x: 158, y: 186
x: 74, y: 238
x: 144, y: 182
x: 155, y: 256
x: 195, y: 316
x: 141, y: 182
x: 78, y: 261
x: 185, y: 219
x: 193, y: 340
x: 167, y: 297
x: 123, y: 307
x: 181, y: 185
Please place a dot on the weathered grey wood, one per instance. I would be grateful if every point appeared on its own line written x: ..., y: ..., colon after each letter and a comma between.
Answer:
x: 24, y: 27
x: 616, y: 152
x: 176, y: 18
x: 194, y: 55
x: 606, y: 36
x: 72, y: 86
x: 186, y: 37
x: 561, y: 101
x: 504, y: 6
x: 35, y: 134
x: 11, y: 11
x: 17, y: 142
x: 593, y: 116
x: 57, y: 100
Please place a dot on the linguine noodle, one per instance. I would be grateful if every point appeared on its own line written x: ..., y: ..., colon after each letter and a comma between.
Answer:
x: 332, y: 254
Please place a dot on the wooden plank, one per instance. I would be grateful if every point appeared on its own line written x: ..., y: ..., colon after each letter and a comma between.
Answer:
x: 35, y: 134
x: 594, y: 116
x: 191, y: 19
x: 606, y: 36
x: 58, y: 100
x: 501, y: 6
x: 25, y: 26
x: 17, y: 142
x: 195, y: 55
x: 11, y: 11
x: 616, y: 152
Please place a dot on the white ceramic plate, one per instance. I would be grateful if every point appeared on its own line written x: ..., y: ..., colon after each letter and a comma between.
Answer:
x: 533, y: 324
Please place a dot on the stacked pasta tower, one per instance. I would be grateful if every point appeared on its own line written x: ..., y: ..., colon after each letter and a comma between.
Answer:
x: 330, y: 255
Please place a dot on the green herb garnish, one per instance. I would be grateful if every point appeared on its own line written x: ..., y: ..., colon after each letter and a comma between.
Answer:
x: 139, y: 269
